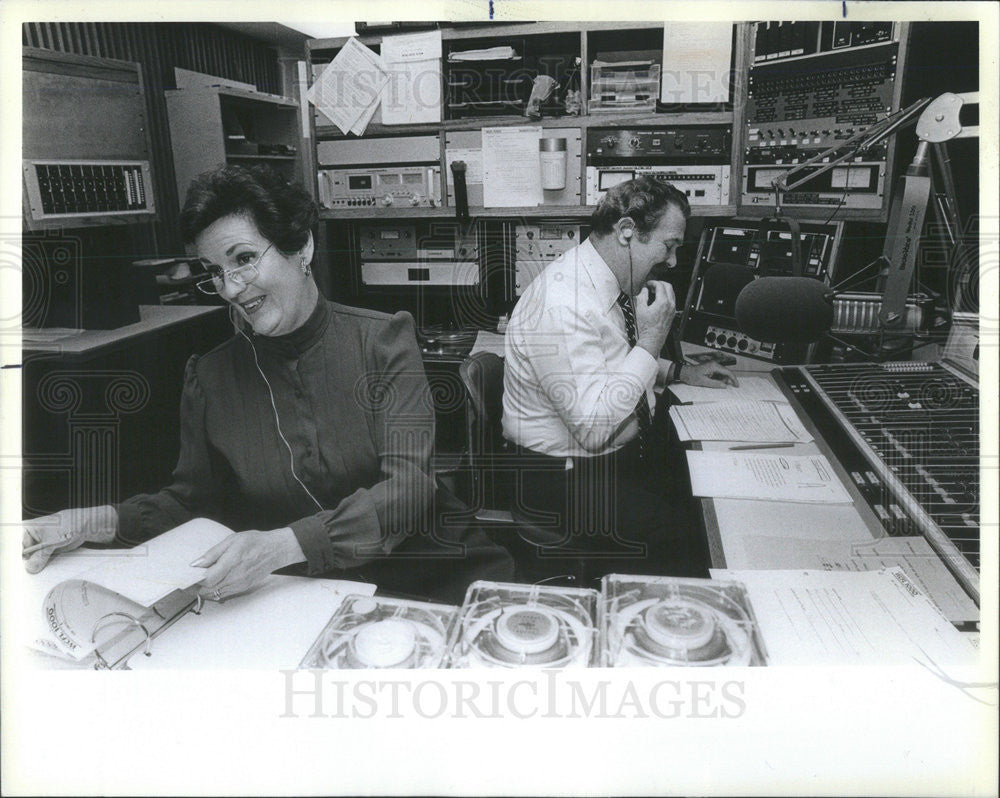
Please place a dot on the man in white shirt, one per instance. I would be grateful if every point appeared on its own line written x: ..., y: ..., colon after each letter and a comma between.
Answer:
x: 582, y: 358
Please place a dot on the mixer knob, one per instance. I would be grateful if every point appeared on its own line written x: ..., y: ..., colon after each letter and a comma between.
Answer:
x: 611, y: 141
x: 414, y: 199
x: 387, y: 200
x: 633, y: 142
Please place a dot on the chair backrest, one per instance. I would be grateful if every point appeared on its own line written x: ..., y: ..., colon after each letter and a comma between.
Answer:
x: 482, y: 376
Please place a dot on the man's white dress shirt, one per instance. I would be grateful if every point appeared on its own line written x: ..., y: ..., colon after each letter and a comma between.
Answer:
x: 571, y: 380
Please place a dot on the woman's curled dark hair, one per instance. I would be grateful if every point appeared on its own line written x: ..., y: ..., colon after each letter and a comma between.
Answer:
x: 283, y: 212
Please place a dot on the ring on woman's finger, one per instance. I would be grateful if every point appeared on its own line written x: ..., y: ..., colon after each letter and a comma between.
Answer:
x: 217, y: 595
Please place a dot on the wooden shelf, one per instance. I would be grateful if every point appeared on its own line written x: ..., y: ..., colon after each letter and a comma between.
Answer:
x: 234, y: 157
x: 617, y: 119
x: 490, y: 31
x: 532, y: 212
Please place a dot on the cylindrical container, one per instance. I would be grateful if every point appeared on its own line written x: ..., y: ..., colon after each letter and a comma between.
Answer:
x: 552, y: 152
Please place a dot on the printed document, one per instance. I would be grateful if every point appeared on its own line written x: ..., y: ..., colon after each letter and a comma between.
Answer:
x: 765, y: 422
x: 770, y: 477
x: 512, y: 175
x: 913, y: 554
x: 349, y: 89
x: 751, y: 389
x: 412, y: 94
x: 849, y: 618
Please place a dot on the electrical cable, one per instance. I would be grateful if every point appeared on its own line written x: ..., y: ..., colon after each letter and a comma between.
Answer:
x: 277, y: 422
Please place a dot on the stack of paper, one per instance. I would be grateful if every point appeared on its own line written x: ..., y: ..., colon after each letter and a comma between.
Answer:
x: 913, y: 554
x: 766, y: 422
x: 849, y: 618
x: 768, y: 477
x: 349, y: 90
x: 750, y: 389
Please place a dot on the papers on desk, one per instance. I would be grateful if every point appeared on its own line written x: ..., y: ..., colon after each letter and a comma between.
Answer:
x: 765, y: 422
x: 349, y: 89
x: 488, y: 342
x: 849, y: 618
x: 913, y: 554
x: 769, y: 477
x: 750, y: 389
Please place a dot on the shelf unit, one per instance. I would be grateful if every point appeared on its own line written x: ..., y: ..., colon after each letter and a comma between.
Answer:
x: 585, y: 35
x: 201, y: 118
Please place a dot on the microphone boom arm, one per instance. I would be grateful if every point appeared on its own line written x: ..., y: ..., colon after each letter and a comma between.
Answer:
x: 868, y: 138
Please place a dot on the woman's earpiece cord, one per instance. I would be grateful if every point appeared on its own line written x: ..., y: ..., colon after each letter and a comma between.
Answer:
x: 277, y: 422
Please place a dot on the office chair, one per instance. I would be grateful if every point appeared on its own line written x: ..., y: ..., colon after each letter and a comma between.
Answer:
x: 482, y: 376
x: 494, y: 474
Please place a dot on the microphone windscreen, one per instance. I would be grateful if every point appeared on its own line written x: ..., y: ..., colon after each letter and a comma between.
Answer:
x: 785, y: 310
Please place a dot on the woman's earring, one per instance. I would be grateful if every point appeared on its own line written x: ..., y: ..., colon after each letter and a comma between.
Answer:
x: 306, y: 268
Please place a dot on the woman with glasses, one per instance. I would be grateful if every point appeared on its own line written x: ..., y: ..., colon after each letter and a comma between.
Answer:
x: 310, y: 430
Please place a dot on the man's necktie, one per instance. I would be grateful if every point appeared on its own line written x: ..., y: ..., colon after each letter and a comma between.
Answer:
x: 642, y: 414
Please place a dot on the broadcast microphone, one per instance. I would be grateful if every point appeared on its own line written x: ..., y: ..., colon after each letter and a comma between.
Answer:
x: 785, y: 309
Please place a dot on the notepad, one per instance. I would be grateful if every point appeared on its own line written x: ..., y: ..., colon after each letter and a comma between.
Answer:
x: 765, y: 422
x: 769, y: 477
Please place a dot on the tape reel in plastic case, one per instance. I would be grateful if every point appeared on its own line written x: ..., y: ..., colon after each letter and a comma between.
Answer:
x: 368, y: 632
x: 505, y: 625
x: 655, y: 620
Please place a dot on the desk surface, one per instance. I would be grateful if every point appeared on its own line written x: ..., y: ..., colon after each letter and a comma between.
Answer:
x: 152, y: 319
x: 732, y: 524
x: 746, y: 534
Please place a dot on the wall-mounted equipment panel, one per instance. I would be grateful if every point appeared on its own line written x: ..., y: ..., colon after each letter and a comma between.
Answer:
x: 537, y: 244
x: 68, y: 189
x: 810, y: 87
x: 695, y: 158
x: 85, y: 141
x: 400, y: 172
x: 404, y: 253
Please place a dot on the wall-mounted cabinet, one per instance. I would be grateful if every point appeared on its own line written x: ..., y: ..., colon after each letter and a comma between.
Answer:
x: 217, y: 125
x: 487, y: 75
